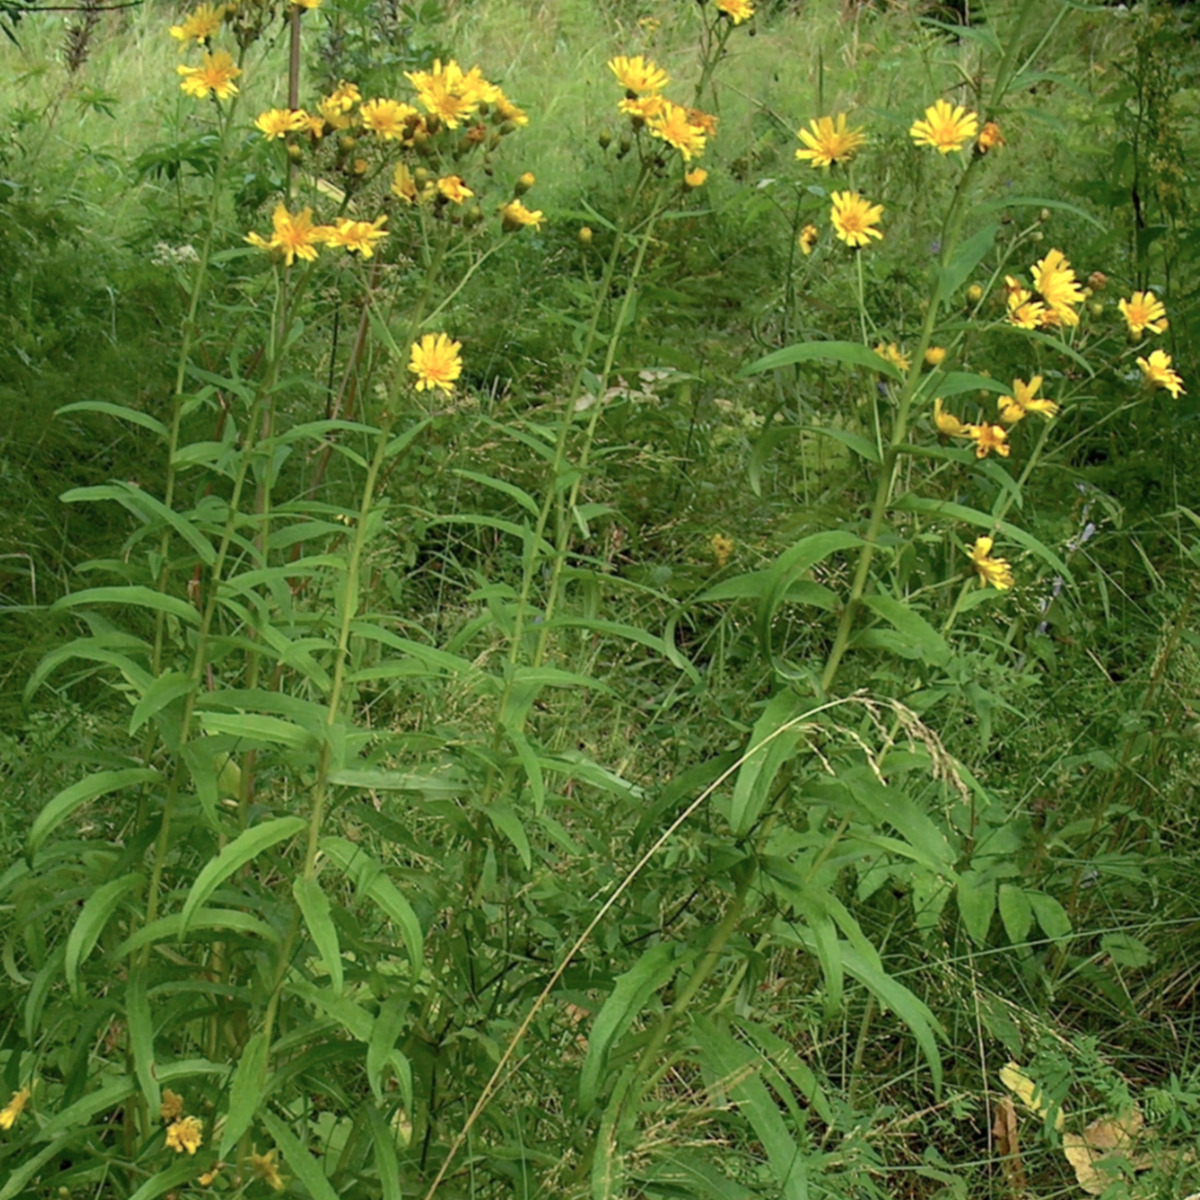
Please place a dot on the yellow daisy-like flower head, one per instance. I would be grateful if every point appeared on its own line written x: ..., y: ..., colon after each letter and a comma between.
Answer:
x: 854, y: 218
x: 893, y: 354
x: 829, y: 141
x: 988, y: 438
x: 935, y: 356
x: 359, y: 237
x: 807, y: 239
x: 279, y: 122
x: 638, y: 74
x: 642, y: 108
x: 449, y: 93
x: 1158, y: 372
x: 453, y: 189
x: 295, y: 235
x: 214, y: 77
x: 1023, y: 310
x: 695, y: 178
x: 200, y: 24
x: 14, y: 1108
x: 993, y: 571
x: 264, y: 1167
x: 946, y: 127
x: 435, y: 362
x: 514, y: 215
x: 947, y: 423
x: 1143, y: 310
x: 185, y: 1134
x: 1054, y: 280
x: 671, y: 125
x: 736, y: 10
x: 387, y: 118
x: 171, y: 1106
x: 705, y: 122
x: 1025, y: 400
x: 343, y: 97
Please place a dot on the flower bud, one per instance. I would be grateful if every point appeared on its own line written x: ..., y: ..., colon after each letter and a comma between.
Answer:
x: 524, y: 183
x: 975, y: 293
x: 1096, y: 308
x: 1038, y: 236
x: 585, y: 235
x: 935, y: 356
x: 295, y: 153
x: 605, y: 139
x: 1097, y: 281
x: 346, y: 143
x: 1044, y: 215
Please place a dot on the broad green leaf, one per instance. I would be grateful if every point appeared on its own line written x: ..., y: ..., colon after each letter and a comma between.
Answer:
x: 98, y: 908
x: 228, y: 919
x: 120, y: 411
x: 170, y: 685
x: 76, y: 1116
x: 686, y: 1174
x: 246, y: 1091
x: 1051, y: 916
x: 522, y: 497
x: 314, y: 905
x: 851, y: 354
x: 965, y: 257
x: 1040, y: 202
x: 756, y: 776
x: 632, y: 633
x: 782, y: 1058
x: 245, y: 847
x: 509, y: 824
x: 976, y: 895
x: 1016, y: 913
x: 929, y: 644
x: 860, y: 445
x: 175, y: 1176
x: 78, y: 794
x: 20, y: 1176
x: 608, y: 1163
x: 257, y: 727
x: 141, y: 1036
x: 370, y: 779
x: 133, y: 595
x: 755, y: 584
x: 112, y: 648
x: 630, y: 993
x: 371, y: 881
x: 307, y: 1170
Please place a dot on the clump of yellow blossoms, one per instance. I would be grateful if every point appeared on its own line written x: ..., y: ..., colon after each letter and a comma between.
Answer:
x: 171, y: 1106
x: 736, y: 10
x: 1054, y: 299
x: 685, y: 129
x: 946, y: 127
x: 854, y: 219
x: 185, y: 1134
x: 829, y: 142
x: 935, y: 356
x: 435, y: 362
x: 722, y: 548
x: 994, y: 571
x: 264, y: 1167
x: 697, y: 177
x: 514, y: 215
x: 1158, y: 372
x: 893, y: 354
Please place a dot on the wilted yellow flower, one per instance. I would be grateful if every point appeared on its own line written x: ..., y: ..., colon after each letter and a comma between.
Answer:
x: 696, y: 177
x: 893, y: 354
x: 706, y: 122
x: 214, y: 77
x: 947, y: 423
x: 386, y: 117
x: 514, y: 215
x: 172, y: 1105
x: 295, y: 235
x: 1025, y: 400
x: 200, y: 24
x: 989, y: 138
x: 935, y: 356
x: 808, y: 239
x: 279, y: 122
x: 1054, y: 281
x: 14, y: 1108
x: 435, y: 362
x: 185, y: 1134
x: 671, y: 124
x: 359, y: 237
x: 994, y: 571
x: 508, y: 111
x: 453, y: 188
x: 988, y: 438
x: 829, y: 142
x: 403, y: 184
x: 1158, y: 372
x: 736, y: 10
x: 263, y: 1167
x: 722, y: 548
x: 638, y: 74
x: 854, y: 218
x: 946, y: 127
x: 1143, y: 310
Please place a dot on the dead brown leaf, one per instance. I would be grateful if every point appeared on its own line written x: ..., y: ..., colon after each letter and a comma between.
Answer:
x: 1008, y: 1144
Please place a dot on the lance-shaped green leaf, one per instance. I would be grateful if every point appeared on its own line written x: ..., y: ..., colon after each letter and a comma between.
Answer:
x: 133, y: 595
x: 98, y: 908
x: 307, y: 1170
x: 766, y: 751
x: 141, y: 1036
x: 70, y: 798
x: 314, y: 905
x: 850, y: 354
x: 246, y: 1091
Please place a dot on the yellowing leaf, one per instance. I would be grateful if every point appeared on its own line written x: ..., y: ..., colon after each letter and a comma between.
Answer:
x: 1098, y: 1153
x: 1029, y: 1093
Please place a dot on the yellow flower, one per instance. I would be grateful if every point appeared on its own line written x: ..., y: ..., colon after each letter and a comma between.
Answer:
x: 200, y: 24
x: 696, y: 177
x: 333, y: 114
x: 989, y: 138
x: 295, y: 235
x: 1025, y: 400
x: 264, y: 1167
x: 14, y: 1108
x: 988, y: 438
x: 1158, y: 372
x: 671, y: 124
x: 357, y: 236
x: 435, y: 362
x: 343, y: 97
x: 893, y: 354
x: 722, y: 548
x: 514, y: 215
x: 453, y: 189
x: 935, y: 356
x: 829, y: 142
x: 314, y: 126
x: 508, y: 111
x: 638, y: 74
x: 1023, y: 310
x: 736, y: 10
x: 854, y: 218
x: 945, y: 127
x: 386, y: 117
x: 403, y: 184
x: 310, y: 4
x: 185, y: 1134
x: 1054, y: 281
x: 279, y: 122
x: 450, y: 93
x: 172, y: 1105
x: 1143, y: 310
x: 642, y: 108
x: 807, y: 239
x: 209, y: 1177
x: 947, y: 423
x: 995, y: 571
x: 705, y: 122
x: 213, y: 77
